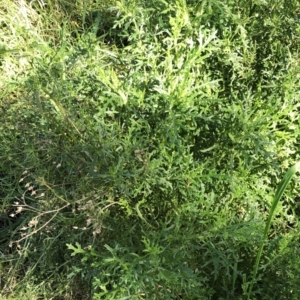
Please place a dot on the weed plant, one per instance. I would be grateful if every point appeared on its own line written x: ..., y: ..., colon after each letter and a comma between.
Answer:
x: 142, y: 145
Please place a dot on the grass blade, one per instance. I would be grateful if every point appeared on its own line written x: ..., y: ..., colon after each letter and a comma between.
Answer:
x: 279, y: 192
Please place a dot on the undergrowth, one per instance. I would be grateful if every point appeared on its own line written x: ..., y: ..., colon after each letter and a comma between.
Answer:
x: 142, y: 144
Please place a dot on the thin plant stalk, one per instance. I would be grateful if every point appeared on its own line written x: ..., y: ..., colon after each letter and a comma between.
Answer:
x: 279, y: 192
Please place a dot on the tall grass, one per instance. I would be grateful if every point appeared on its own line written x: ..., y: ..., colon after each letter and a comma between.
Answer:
x: 279, y: 192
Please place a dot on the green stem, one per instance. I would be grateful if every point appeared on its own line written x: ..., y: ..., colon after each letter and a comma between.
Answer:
x: 279, y: 192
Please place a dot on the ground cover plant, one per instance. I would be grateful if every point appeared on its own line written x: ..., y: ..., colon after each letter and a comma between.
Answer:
x: 149, y: 149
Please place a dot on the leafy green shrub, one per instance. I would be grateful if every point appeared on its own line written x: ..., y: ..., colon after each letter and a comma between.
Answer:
x: 150, y: 144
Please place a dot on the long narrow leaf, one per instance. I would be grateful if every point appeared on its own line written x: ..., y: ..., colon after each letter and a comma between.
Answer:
x: 279, y: 192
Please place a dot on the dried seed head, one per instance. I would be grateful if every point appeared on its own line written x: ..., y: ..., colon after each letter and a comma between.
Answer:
x: 34, y: 221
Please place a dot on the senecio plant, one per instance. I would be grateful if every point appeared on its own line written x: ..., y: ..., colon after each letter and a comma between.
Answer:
x: 143, y: 149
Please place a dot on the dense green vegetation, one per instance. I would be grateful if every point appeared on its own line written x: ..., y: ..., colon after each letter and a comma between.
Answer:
x: 144, y: 146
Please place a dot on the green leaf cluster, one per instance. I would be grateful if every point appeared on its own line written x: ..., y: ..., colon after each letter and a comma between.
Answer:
x: 142, y: 146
